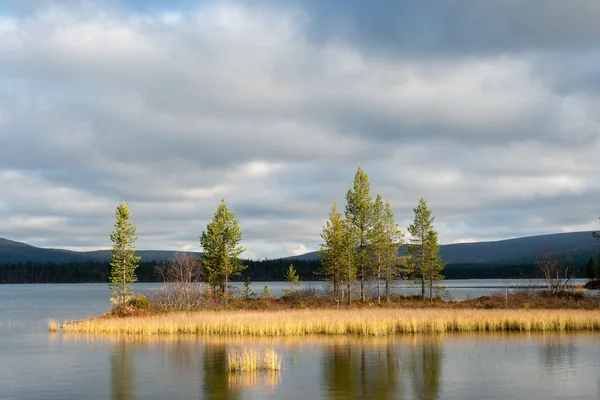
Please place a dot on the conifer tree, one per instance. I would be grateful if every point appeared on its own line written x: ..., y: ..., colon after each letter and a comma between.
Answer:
x: 377, y: 240
x: 393, y: 240
x: 337, y: 252
x: 384, y: 240
x: 220, y: 243
x: 358, y: 213
x: 592, y: 269
x: 124, y: 261
x: 291, y: 276
x: 246, y: 293
x: 423, y: 250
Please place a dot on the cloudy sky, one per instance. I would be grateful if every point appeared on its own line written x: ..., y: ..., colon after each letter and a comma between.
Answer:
x: 490, y: 110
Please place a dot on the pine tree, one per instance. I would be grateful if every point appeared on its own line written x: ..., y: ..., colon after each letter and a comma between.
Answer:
x: 337, y: 252
x: 377, y: 240
x: 124, y: 261
x: 358, y: 213
x: 246, y: 292
x: 220, y: 243
x: 393, y: 240
x: 266, y: 293
x: 291, y: 276
x: 592, y: 269
x: 424, y: 260
x: 384, y: 240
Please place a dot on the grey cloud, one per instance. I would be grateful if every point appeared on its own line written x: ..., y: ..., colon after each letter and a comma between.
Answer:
x: 455, y: 27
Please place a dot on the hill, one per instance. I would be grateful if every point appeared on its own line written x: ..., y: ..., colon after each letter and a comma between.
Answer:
x: 516, y: 251
x: 17, y: 252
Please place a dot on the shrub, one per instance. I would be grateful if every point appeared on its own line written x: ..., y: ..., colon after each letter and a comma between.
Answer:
x: 140, y: 302
x: 191, y: 297
x: 266, y: 294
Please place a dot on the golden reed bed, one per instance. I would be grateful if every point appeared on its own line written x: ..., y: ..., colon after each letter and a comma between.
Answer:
x: 363, y: 322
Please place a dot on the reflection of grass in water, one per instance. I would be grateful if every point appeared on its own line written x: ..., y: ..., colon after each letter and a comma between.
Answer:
x: 249, y: 359
x: 247, y: 364
x: 252, y: 378
x: 362, y: 322
x: 312, y: 341
x: 53, y: 325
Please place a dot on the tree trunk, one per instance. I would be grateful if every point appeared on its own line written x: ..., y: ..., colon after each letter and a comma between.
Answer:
x: 362, y: 283
x: 378, y: 281
x: 225, y: 291
x: 336, y: 282
x: 387, y: 290
x: 430, y: 287
x: 422, y: 268
x: 349, y: 294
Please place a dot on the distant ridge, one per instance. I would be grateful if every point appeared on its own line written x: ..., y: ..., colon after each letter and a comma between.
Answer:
x: 17, y: 252
x: 516, y: 251
x: 522, y: 250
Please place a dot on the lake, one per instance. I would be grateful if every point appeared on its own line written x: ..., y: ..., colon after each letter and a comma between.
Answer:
x: 35, y: 364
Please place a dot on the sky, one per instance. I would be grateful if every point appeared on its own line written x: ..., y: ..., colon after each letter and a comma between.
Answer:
x: 488, y: 110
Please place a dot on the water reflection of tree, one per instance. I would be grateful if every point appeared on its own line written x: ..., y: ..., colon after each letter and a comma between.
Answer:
x: 425, y: 365
x: 360, y: 371
x: 558, y: 352
x: 216, y: 384
x: 122, y: 371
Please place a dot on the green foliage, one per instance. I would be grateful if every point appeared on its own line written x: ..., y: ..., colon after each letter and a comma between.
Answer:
x: 124, y: 261
x: 385, y: 238
x: 246, y: 293
x: 425, y: 265
x: 266, y: 293
x: 337, y: 251
x: 292, y: 277
x: 220, y: 243
x: 140, y: 302
x: 359, y: 215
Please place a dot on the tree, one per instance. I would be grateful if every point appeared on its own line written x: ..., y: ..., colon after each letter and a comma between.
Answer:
x: 423, y: 251
x: 592, y: 269
x: 377, y: 240
x: 183, y: 269
x: 266, y: 293
x: 246, y: 292
x: 292, y: 277
x: 358, y: 213
x: 220, y: 243
x: 390, y: 262
x: 124, y: 261
x: 556, y: 273
x: 337, y: 253
x: 384, y: 240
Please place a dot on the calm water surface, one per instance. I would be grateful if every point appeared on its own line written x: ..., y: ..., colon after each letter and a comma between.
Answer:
x: 37, y: 365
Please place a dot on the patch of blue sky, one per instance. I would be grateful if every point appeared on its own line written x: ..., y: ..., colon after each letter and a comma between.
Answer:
x: 21, y: 8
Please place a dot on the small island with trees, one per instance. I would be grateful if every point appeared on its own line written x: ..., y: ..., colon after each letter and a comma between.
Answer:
x: 359, y: 250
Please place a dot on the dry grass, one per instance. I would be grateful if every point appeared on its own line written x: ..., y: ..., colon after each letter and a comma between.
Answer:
x: 247, y: 359
x: 362, y: 322
x: 53, y: 325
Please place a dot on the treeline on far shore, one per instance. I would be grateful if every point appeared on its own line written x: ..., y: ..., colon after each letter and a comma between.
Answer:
x: 258, y: 270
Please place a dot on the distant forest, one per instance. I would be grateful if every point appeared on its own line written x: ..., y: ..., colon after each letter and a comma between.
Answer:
x: 264, y: 270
